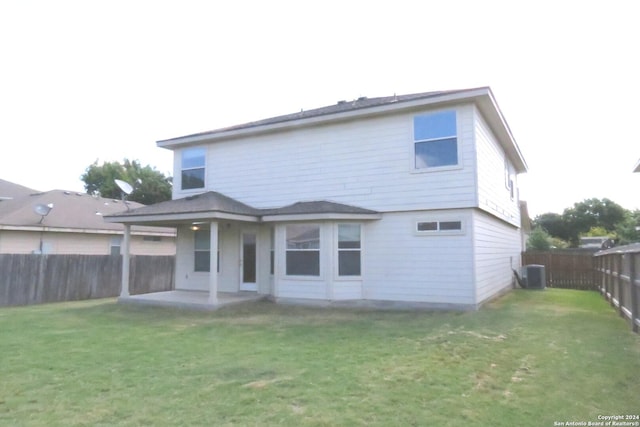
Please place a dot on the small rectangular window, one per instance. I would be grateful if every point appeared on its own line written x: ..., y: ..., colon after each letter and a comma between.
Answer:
x: 116, y: 244
x: 434, y: 227
x: 428, y: 226
x: 349, y: 250
x: 303, y: 250
x: 193, y: 168
x: 435, y: 140
x: 450, y: 225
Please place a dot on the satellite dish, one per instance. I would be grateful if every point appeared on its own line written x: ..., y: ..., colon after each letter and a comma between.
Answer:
x: 42, y: 210
x: 126, y: 189
x: 124, y: 186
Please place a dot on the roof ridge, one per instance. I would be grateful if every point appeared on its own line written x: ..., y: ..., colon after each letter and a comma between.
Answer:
x: 341, y: 106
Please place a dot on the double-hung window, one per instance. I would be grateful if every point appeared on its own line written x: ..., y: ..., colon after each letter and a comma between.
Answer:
x: 303, y: 250
x: 202, y: 250
x: 349, y: 248
x: 193, y: 168
x: 435, y: 140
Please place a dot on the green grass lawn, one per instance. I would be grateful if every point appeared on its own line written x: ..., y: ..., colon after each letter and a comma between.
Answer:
x: 531, y: 358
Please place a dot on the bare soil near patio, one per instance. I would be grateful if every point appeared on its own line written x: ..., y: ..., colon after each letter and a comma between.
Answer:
x: 530, y: 358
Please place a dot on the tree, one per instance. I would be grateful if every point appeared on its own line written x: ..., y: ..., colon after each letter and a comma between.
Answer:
x: 149, y: 185
x: 539, y: 240
x: 592, y: 213
x: 627, y: 230
x: 554, y: 224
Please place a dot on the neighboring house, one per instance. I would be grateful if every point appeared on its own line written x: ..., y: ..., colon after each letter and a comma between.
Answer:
x: 399, y: 200
x: 63, y: 222
x: 525, y: 224
x: 9, y: 190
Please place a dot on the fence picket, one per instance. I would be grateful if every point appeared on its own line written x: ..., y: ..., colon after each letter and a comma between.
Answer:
x: 32, y: 279
x: 618, y: 269
x: 568, y: 269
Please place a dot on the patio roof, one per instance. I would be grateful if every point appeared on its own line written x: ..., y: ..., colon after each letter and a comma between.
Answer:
x: 214, y: 206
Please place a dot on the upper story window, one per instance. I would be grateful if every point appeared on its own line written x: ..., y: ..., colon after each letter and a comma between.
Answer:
x: 303, y: 250
x: 508, y: 179
x: 193, y: 168
x: 435, y: 139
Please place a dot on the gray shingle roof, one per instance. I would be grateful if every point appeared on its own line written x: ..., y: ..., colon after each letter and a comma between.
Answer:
x: 70, y: 210
x: 213, y: 201
x: 10, y: 190
x: 340, y: 107
x: 210, y: 201
x: 317, y: 207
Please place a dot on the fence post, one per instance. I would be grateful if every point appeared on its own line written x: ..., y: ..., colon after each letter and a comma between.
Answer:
x: 633, y: 288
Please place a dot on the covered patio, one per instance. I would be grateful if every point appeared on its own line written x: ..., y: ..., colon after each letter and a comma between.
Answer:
x: 229, y: 252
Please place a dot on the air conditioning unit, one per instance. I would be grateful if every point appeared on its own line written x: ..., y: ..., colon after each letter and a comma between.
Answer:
x: 534, y: 276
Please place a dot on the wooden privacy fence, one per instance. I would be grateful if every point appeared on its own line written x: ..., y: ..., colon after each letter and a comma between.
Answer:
x: 33, y: 279
x: 618, y: 271
x: 565, y: 268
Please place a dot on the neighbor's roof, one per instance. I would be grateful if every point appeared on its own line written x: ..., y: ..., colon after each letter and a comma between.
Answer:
x: 363, y: 106
x: 72, y: 212
x: 10, y: 190
x: 213, y: 205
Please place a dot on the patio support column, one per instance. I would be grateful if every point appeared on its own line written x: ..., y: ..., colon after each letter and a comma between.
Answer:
x: 213, y: 271
x: 124, y: 290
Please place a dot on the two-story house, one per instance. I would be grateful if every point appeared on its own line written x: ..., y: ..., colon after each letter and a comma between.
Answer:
x: 399, y: 200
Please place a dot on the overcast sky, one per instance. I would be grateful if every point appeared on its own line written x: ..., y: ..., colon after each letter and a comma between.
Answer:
x: 87, y: 80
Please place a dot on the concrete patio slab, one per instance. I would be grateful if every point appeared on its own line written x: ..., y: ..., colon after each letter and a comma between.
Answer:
x: 193, y: 300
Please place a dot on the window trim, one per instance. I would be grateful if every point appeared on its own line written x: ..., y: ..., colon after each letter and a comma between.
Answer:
x: 414, y: 141
x: 196, y: 250
x: 208, y: 231
x: 319, y: 250
x: 438, y: 231
x: 338, y: 250
x: 509, y: 181
x: 203, y: 167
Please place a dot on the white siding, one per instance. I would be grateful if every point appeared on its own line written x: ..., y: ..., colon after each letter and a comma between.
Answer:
x: 403, y: 266
x: 493, y: 194
x: 497, y: 248
x: 229, y: 276
x: 366, y: 163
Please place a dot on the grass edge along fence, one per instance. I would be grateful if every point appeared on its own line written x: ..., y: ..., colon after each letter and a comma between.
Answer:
x: 27, y: 279
x: 618, y: 271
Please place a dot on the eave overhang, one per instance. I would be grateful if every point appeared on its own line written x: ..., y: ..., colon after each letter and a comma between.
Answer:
x: 321, y: 217
x: 213, y: 206
x: 482, y: 97
x: 177, y: 218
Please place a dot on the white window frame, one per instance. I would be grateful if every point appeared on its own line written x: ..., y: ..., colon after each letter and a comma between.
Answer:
x: 205, y: 232
x: 438, y: 231
x: 204, y: 167
x: 338, y: 250
x: 115, y: 242
x: 428, y: 169
x: 319, y: 276
x: 509, y: 181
